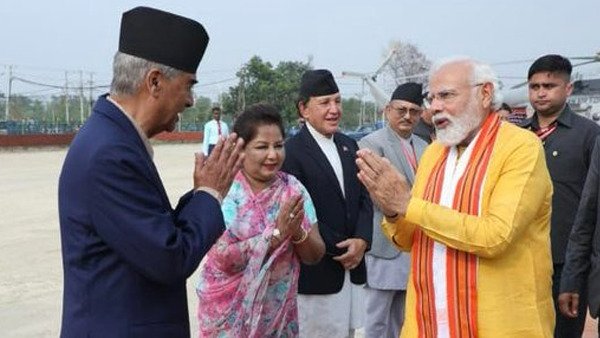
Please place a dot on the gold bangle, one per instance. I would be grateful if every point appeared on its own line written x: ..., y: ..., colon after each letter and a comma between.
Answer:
x: 302, y: 238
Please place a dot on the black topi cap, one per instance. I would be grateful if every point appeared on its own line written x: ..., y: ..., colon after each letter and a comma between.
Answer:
x: 317, y: 83
x: 163, y: 37
x: 410, y: 91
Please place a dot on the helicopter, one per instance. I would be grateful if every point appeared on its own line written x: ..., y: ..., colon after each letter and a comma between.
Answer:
x: 584, y: 100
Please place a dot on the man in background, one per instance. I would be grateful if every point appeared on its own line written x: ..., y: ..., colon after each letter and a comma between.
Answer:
x: 331, y: 295
x: 568, y: 141
x: 424, y: 128
x: 213, y: 131
x: 581, y: 270
x: 388, y: 267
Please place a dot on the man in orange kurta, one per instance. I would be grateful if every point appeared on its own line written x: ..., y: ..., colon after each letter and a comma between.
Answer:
x: 477, y: 220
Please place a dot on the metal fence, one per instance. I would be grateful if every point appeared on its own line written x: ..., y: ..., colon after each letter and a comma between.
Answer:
x: 28, y: 127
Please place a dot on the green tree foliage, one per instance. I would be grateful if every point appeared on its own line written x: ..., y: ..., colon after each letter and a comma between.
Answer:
x: 2, y: 105
x: 259, y: 81
x: 194, y: 117
x: 53, y: 110
x: 351, y: 112
x: 25, y: 108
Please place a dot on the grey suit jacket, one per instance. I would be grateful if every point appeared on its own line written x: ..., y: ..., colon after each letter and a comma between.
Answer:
x: 385, y: 142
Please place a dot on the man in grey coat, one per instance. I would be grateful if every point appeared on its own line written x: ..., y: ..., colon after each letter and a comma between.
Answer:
x: 387, y: 268
x: 582, y: 261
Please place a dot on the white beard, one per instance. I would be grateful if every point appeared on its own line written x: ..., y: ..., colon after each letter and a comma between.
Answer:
x: 459, y: 127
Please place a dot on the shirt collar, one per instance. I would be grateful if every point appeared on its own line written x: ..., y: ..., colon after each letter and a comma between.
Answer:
x: 565, y: 118
x: 320, y: 138
x: 139, y: 130
x: 408, y: 139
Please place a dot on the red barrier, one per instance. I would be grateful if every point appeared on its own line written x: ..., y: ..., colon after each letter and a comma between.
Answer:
x: 44, y: 140
x: 184, y: 136
x: 36, y: 140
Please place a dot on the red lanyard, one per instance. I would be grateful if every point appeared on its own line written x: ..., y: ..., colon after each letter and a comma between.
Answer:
x: 410, y: 155
x: 543, y: 133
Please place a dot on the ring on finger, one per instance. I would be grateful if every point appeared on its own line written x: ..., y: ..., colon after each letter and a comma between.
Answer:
x: 292, y: 215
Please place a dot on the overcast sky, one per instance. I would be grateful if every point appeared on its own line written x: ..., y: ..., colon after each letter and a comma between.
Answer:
x: 44, y: 38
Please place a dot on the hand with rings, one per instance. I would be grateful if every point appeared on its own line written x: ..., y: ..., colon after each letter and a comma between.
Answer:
x: 289, y: 219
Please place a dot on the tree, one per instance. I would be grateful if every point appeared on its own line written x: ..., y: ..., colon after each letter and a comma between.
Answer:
x: 2, y: 106
x: 193, y: 118
x: 351, y: 112
x: 408, y: 64
x: 259, y: 81
x: 56, y: 108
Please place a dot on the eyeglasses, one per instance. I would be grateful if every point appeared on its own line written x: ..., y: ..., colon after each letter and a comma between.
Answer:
x: 414, y: 112
x: 446, y: 96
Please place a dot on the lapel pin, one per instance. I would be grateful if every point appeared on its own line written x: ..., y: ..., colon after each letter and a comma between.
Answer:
x: 344, y: 148
x: 555, y: 153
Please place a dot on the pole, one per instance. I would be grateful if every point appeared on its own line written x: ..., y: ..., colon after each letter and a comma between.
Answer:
x: 80, y: 97
x: 66, y: 98
x: 7, y: 107
x: 361, y: 120
x: 91, y: 93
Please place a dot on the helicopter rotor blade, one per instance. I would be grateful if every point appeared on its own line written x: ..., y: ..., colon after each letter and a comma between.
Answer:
x: 585, y: 63
x: 355, y: 74
x: 385, y: 62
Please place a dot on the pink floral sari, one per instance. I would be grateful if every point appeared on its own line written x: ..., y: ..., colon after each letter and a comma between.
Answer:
x: 245, y: 291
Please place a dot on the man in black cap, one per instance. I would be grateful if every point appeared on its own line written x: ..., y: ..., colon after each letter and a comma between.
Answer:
x: 387, y: 267
x: 126, y: 252
x: 330, y: 303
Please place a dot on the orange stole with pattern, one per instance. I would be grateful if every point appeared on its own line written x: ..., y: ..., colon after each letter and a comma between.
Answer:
x: 461, y: 267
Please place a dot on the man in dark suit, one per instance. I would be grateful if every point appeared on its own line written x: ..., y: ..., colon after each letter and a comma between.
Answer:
x: 330, y: 300
x: 126, y: 252
x: 582, y: 261
x: 568, y: 141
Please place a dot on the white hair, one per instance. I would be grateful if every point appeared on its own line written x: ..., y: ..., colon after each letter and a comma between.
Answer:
x: 129, y: 72
x: 480, y: 73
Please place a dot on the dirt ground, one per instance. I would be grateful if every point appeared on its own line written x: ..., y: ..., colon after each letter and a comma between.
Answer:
x: 30, y: 259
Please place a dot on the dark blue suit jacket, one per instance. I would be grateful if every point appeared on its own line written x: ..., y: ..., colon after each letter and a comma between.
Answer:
x: 126, y: 252
x: 339, y: 217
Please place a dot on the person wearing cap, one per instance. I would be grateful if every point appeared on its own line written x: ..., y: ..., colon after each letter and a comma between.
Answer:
x: 477, y: 218
x: 330, y: 296
x: 387, y: 267
x: 126, y: 253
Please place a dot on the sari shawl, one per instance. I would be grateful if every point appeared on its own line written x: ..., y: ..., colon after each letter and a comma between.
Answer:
x: 244, y: 290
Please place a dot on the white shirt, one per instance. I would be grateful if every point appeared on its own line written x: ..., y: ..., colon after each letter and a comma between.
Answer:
x: 211, y: 133
x: 330, y: 150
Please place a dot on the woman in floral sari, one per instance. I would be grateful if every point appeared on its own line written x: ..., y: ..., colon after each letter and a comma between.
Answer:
x: 248, y: 279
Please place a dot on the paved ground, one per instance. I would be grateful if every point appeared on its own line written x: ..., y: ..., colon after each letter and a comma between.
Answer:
x: 30, y: 263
